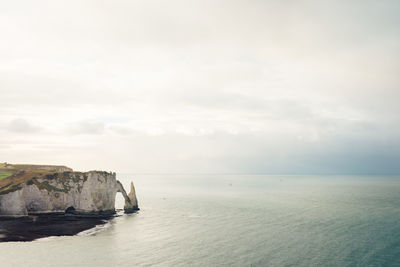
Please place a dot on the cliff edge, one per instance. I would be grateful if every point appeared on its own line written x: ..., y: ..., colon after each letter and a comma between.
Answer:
x: 46, y: 189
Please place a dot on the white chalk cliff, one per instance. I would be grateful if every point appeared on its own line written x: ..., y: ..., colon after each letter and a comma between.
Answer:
x: 70, y: 192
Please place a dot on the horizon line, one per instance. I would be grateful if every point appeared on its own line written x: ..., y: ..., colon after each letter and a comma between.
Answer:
x: 293, y: 174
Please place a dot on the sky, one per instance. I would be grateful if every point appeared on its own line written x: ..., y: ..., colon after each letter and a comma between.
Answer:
x: 211, y: 86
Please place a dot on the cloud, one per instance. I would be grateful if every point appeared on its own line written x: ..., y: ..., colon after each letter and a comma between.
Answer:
x: 20, y: 125
x: 87, y: 127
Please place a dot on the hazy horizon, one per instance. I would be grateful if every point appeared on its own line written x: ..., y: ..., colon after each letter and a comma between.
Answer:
x: 264, y: 87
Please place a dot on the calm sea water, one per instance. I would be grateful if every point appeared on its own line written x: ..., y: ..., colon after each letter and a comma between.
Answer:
x: 236, y: 220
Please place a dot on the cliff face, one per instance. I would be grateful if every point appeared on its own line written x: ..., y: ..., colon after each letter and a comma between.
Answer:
x: 71, y: 192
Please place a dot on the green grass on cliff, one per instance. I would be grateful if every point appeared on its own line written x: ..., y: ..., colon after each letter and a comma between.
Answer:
x: 4, y: 175
x: 4, y: 166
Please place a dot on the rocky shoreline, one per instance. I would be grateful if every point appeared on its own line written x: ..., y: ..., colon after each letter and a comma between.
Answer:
x: 29, y: 228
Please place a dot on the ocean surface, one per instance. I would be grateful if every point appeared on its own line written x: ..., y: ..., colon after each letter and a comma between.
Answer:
x: 236, y: 220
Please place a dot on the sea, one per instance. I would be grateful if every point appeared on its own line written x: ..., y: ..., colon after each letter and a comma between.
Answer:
x: 236, y: 220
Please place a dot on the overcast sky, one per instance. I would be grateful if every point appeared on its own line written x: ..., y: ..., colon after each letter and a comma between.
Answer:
x: 201, y: 86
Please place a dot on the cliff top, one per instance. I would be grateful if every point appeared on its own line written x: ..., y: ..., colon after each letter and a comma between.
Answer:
x: 7, y: 167
x: 14, y: 174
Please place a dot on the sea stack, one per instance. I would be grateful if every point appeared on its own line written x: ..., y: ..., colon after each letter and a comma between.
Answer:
x: 132, y: 197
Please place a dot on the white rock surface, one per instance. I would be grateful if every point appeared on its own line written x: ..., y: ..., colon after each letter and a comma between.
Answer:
x: 90, y: 192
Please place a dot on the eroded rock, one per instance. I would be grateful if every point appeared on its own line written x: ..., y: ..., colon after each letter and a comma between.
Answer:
x: 31, y: 191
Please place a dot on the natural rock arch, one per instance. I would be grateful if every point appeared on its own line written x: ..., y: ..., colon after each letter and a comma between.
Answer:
x: 131, y: 204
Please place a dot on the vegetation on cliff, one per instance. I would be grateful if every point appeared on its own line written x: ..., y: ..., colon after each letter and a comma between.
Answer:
x: 4, y: 175
x: 13, y: 175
